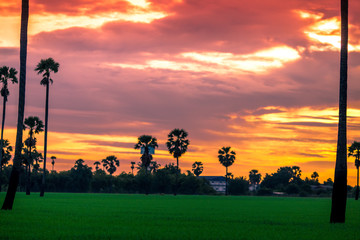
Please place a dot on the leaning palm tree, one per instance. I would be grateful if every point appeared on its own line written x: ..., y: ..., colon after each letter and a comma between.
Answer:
x: 354, y: 151
x: 110, y: 163
x: 339, y: 194
x: 226, y: 158
x: 197, y: 168
x: 35, y: 126
x: 46, y: 66
x: 53, y: 162
x: 17, y: 161
x: 6, y: 75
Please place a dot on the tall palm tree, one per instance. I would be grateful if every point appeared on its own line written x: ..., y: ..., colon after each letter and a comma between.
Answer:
x: 226, y: 158
x: 339, y: 194
x: 53, y: 162
x: 6, y: 75
x: 145, y: 142
x: 17, y: 161
x: 46, y: 66
x: 354, y: 150
x: 35, y: 126
x: 5, y: 155
x: 197, y: 168
x: 177, y: 143
x: 97, y: 163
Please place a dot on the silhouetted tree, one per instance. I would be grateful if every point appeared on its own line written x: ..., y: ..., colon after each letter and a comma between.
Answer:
x: 53, y: 162
x: 110, y: 163
x: 154, y: 166
x: 226, y: 158
x: 354, y: 150
x: 146, y: 141
x: 197, y: 168
x: 80, y: 176
x: 45, y: 67
x: 254, y: 178
x: 315, y: 177
x: 132, y: 167
x: 339, y: 195
x: 97, y: 163
x: 6, y: 156
x: 35, y: 126
x: 17, y: 161
x: 6, y: 75
x: 238, y: 186
x: 177, y: 144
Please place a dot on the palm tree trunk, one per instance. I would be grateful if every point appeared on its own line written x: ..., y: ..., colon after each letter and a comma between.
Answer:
x: 226, y: 182
x: 357, y: 185
x: 15, y: 172
x: 2, y: 137
x: 339, y: 194
x: 45, y: 140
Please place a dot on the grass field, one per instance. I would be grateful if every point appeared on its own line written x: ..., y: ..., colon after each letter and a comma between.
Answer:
x: 107, y: 216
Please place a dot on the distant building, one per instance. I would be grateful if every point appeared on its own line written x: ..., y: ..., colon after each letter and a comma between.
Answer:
x: 218, y: 183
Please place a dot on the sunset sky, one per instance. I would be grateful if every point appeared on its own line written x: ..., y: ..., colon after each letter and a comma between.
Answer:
x: 259, y: 76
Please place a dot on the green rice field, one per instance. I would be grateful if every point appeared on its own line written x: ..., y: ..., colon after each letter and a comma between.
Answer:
x: 119, y: 216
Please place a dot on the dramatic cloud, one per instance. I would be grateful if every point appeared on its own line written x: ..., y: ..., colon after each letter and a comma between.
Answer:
x: 259, y: 76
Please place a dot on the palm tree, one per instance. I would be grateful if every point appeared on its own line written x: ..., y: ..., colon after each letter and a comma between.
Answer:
x: 197, y: 168
x: 46, y: 66
x: 110, y: 163
x: 5, y: 155
x: 35, y: 126
x: 226, y: 158
x: 5, y: 76
x: 354, y: 150
x: 177, y: 143
x: 132, y: 167
x: 145, y: 142
x: 339, y: 194
x: 97, y: 163
x: 17, y: 161
x: 53, y: 162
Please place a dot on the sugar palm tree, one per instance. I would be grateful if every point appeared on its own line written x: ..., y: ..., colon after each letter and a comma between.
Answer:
x: 97, y: 163
x: 110, y: 163
x: 53, y: 162
x: 35, y: 126
x: 6, y: 75
x: 226, y: 158
x: 197, y: 168
x: 145, y: 142
x: 354, y: 151
x: 177, y: 143
x: 45, y: 67
x: 254, y: 178
x: 17, y: 161
x: 339, y: 194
